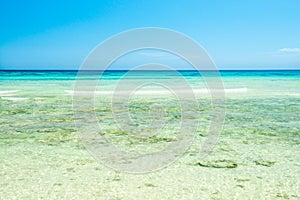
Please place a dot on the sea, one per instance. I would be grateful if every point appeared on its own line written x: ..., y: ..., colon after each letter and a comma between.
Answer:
x: 254, y: 153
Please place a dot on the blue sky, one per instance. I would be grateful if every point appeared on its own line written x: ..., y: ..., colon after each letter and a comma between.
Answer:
x: 237, y: 34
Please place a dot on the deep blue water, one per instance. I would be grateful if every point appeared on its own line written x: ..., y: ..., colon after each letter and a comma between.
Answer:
x: 71, y: 75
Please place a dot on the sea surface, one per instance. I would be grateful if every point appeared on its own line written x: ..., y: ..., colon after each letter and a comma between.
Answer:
x: 256, y: 156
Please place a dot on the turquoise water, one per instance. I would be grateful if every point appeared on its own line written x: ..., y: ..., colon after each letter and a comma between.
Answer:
x: 257, y: 153
x: 259, y: 94
x: 256, y: 81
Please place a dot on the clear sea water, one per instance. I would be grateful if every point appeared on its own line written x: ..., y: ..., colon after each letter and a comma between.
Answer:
x: 40, y: 146
x: 264, y: 97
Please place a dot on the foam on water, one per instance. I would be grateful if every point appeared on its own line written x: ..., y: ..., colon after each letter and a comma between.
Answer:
x: 14, y: 98
x: 7, y: 92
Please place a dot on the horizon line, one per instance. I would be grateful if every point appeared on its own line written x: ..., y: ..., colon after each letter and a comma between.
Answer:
x: 126, y: 70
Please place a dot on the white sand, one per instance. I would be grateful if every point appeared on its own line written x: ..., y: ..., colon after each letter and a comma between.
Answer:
x: 63, y: 172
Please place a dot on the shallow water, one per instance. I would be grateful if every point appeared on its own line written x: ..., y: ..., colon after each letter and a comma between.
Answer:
x: 257, y: 154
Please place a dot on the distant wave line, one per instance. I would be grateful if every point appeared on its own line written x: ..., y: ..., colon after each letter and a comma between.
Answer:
x: 201, y: 91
